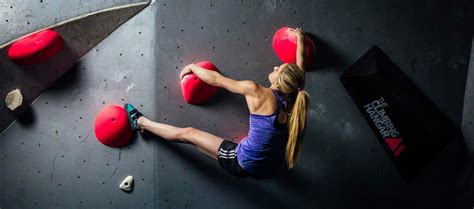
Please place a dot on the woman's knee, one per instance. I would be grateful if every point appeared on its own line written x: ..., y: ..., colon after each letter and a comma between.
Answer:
x: 187, y: 134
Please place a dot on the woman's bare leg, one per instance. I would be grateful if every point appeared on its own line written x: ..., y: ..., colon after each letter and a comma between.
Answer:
x: 205, y: 142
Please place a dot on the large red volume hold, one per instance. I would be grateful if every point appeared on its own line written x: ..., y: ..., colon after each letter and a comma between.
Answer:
x: 284, y: 44
x: 36, y: 47
x: 112, y: 127
x: 196, y: 91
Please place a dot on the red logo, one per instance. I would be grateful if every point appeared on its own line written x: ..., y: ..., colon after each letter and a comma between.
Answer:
x: 395, y: 145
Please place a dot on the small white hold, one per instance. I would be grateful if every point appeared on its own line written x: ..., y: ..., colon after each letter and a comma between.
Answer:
x: 14, y: 99
x: 127, y: 184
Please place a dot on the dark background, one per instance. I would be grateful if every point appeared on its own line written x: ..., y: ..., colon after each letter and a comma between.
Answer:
x: 53, y: 160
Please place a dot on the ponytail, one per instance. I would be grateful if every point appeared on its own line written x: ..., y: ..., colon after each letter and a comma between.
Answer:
x: 290, y: 82
x: 296, y: 125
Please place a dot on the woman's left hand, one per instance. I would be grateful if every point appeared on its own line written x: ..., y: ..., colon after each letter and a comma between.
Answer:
x: 186, y: 70
x: 299, y: 33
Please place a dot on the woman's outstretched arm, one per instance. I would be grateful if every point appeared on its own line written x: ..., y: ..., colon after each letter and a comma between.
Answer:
x: 245, y: 87
x: 300, y: 50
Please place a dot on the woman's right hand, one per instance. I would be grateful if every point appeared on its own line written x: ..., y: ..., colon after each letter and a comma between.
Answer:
x: 186, y: 70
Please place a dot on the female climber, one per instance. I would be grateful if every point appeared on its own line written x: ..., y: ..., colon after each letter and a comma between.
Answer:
x: 277, y: 120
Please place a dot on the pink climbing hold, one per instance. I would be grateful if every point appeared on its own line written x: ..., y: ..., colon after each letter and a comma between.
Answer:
x: 196, y: 91
x: 112, y: 127
x: 284, y: 45
x: 36, y: 47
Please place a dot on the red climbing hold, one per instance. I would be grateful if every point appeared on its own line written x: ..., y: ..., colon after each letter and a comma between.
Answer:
x: 36, y: 47
x: 196, y: 91
x: 284, y: 44
x: 112, y: 127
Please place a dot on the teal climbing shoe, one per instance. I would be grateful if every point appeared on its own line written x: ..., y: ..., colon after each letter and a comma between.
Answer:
x: 133, y: 115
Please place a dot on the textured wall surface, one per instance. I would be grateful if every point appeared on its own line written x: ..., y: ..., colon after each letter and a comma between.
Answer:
x: 55, y: 161
x: 22, y: 17
x: 468, y: 114
x: 468, y: 124
x: 79, y: 36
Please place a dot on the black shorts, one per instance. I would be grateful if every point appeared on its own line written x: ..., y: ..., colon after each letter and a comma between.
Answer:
x: 227, y: 158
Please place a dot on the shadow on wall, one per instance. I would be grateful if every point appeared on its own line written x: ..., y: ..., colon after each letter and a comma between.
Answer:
x: 69, y: 80
x: 78, y: 35
x: 27, y: 118
x: 326, y: 56
x: 254, y: 191
x: 50, y: 70
x: 31, y: 80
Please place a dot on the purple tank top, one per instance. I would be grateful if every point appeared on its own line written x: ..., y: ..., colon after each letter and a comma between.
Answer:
x: 262, y: 152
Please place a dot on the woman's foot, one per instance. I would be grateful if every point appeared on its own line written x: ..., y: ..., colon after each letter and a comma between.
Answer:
x: 133, y: 116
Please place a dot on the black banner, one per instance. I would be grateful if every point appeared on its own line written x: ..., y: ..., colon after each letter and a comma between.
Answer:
x: 408, y: 124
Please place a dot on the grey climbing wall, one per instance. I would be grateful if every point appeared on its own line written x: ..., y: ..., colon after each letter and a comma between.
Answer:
x: 55, y: 160
x: 468, y: 114
x: 79, y: 34
x: 468, y: 128
x: 22, y: 17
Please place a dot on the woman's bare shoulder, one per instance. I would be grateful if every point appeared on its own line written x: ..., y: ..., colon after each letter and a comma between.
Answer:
x: 264, y: 103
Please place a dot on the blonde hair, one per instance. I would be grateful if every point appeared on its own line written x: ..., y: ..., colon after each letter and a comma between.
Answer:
x: 291, y: 81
